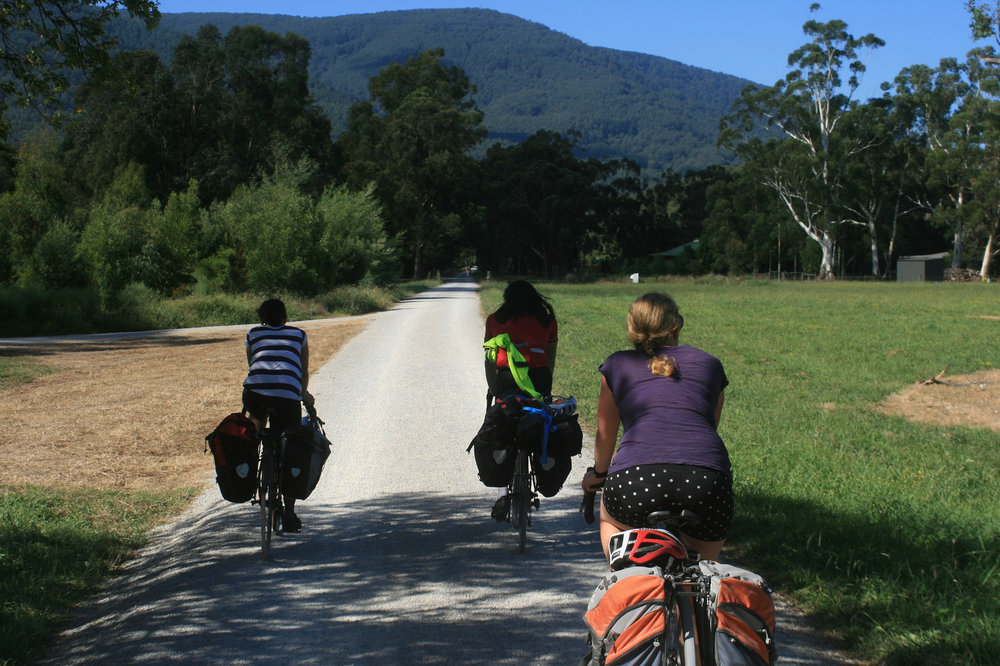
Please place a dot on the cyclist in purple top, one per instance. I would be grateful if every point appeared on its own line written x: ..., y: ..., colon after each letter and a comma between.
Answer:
x: 668, y: 398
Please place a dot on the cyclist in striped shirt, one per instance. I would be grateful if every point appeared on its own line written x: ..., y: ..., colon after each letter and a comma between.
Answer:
x: 278, y: 357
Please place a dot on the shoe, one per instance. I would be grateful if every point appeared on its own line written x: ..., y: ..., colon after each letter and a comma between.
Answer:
x: 501, y: 509
x: 290, y: 522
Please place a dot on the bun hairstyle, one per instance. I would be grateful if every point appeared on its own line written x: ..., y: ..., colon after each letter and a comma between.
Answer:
x: 653, y: 323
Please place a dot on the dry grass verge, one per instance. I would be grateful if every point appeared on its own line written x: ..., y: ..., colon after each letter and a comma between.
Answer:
x: 132, y: 413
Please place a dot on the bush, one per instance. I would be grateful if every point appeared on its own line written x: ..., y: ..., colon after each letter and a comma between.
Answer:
x: 34, y: 311
x: 55, y: 261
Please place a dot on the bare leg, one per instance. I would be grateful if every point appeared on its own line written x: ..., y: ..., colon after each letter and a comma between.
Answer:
x: 708, y: 550
x: 609, y: 526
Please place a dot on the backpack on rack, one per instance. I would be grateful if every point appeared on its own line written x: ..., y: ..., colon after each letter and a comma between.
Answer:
x: 234, y: 447
x: 304, y: 450
x: 740, y: 615
x: 551, y: 431
x: 626, y: 618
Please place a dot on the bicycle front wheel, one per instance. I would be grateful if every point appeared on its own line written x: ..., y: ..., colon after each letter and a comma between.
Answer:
x: 521, y: 498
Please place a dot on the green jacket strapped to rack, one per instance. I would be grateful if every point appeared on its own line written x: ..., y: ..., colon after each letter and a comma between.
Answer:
x: 515, y: 361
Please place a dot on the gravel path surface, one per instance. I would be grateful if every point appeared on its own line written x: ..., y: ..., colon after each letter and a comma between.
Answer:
x: 398, y: 561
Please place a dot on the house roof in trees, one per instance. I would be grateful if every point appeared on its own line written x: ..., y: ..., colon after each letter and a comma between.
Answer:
x: 679, y: 250
x: 924, y: 257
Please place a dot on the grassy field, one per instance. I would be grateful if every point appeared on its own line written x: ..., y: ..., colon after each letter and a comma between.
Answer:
x: 886, y: 530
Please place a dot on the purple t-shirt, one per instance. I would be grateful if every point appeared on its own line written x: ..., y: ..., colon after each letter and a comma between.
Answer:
x: 668, y: 419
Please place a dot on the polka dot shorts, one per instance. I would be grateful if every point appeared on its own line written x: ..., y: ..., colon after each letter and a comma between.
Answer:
x: 631, y: 494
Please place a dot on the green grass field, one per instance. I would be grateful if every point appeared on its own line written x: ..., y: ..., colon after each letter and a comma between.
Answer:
x: 887, y: 531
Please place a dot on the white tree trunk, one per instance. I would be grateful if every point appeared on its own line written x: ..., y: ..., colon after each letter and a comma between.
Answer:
x: 988, y: 254
x: 826, y: 262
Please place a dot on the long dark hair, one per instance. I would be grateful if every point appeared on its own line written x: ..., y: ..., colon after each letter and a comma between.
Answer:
x: 521, y: 299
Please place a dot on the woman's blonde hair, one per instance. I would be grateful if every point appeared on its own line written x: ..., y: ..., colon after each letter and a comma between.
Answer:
x: 653, y: 322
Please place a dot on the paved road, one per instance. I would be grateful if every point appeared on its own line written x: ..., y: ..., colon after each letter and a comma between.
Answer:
x: 398, y: 561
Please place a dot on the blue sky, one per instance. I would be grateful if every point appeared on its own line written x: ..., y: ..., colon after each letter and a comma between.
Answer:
x: 746, y: 38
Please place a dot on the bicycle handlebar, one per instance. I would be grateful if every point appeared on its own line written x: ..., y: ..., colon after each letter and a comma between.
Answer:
x: 587, y: 507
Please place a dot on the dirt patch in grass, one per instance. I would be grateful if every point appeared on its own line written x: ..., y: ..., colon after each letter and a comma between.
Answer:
x: 132, y: 413
x: 960, y: 400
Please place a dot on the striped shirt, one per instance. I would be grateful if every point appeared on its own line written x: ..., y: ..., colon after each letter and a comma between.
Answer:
x: 275, y: 361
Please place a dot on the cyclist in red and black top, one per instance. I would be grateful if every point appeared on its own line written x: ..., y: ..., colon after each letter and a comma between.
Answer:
x: 278, y: 359
x: 529, y: 319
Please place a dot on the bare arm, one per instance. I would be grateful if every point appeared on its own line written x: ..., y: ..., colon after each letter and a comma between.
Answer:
x: 718, y: 409
x: 608, y: 420
x: 550, y: 354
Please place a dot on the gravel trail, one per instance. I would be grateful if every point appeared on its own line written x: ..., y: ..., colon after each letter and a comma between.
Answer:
x: 398, y: 561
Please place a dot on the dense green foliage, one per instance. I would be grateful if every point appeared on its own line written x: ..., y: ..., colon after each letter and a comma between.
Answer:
x: 886, y: 530
x: 221, y: 113
x: 658, y: 112
x: 412, y: 140
x: 34, y: 311
x: 43, y: 42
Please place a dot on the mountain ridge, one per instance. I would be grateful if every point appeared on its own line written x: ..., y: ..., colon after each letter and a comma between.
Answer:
x: 662, y: 113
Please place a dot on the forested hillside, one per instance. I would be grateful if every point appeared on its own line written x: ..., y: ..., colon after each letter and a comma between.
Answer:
x: 659, y: 112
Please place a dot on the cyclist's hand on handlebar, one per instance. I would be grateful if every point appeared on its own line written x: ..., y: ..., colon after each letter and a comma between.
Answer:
x: 592, y: 482
x: 308, y: 399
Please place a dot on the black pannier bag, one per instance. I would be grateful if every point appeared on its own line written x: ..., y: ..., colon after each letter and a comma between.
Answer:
x: 551, y: 475
x: 565, y: 436
x: 550, y: 458
x: 234, y: 447
x: 304, y: 450
x: 493, y: 446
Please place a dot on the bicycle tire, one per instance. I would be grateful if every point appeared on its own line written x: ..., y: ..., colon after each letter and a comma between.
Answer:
x: 271, y: 518
x: 521, y: 503
x: 264, y: 498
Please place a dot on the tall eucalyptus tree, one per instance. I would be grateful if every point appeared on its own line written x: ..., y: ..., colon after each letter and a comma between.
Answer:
x: 807, y: 147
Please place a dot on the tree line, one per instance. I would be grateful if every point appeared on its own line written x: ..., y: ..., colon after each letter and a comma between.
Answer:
x: 217, y: 171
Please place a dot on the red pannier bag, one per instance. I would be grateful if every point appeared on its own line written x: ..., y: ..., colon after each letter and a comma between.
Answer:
x: 234, y: 446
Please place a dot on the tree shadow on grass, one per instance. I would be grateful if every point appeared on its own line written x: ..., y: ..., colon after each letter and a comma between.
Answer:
x: 930, y: 594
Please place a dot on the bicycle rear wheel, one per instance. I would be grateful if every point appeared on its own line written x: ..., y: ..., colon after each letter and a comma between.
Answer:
x: 264, y: 500
x: 270, y: 500
x: 520, y: 506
